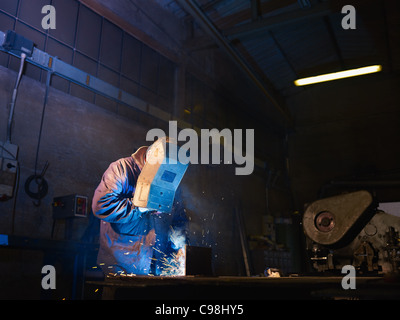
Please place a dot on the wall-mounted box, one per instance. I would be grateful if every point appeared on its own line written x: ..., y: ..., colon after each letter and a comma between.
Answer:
x: 70, y: 206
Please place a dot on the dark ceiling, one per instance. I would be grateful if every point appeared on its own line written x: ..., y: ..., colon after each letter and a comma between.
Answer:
x: 278, y: 41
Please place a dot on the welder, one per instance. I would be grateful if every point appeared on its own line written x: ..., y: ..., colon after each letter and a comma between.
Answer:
x: 134, y: 240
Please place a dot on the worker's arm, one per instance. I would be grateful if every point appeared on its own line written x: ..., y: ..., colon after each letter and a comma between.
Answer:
x: 113, y: 198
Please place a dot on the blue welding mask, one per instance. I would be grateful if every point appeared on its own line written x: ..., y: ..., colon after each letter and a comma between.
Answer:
x: 160, y: 176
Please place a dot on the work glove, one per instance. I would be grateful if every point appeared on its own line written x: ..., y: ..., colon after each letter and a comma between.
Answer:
x: 147, y: 210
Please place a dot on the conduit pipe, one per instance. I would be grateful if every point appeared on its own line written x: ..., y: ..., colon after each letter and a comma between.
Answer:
x: 14, y: 97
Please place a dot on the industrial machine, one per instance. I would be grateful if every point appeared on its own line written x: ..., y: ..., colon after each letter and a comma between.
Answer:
x: 353, y: 229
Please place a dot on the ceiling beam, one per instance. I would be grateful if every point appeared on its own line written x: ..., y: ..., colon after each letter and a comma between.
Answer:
x: 263, y: 25
x: 206, y: 24
x: 235, y: 18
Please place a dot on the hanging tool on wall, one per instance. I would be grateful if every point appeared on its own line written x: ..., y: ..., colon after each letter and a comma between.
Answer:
x: 42, y: 186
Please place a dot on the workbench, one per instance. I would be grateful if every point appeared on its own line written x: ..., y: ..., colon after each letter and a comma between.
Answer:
x: 243, y: 288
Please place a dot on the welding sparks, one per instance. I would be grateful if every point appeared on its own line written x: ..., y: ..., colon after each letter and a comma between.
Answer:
x: 174, y: 265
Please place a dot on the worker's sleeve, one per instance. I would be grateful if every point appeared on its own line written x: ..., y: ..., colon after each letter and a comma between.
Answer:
x: 113, y: 198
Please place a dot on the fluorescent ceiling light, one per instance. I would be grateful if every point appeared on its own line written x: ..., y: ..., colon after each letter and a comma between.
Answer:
x: 338, y: 75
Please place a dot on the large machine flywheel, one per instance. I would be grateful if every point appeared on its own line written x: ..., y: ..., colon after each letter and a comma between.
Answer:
x: 335, y: 220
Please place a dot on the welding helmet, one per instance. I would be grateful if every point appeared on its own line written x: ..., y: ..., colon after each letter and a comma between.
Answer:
x: 160, y: 176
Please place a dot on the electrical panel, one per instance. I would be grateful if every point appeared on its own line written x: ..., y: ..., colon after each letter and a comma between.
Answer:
x: 70, y: 206
x: 8, y: 169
